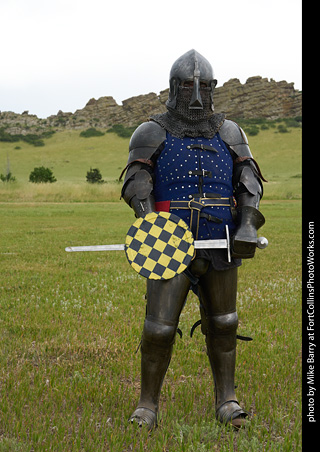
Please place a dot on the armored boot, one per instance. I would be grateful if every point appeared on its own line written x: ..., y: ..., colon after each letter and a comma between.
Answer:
x: 221, y: 348
x: 156, y: 350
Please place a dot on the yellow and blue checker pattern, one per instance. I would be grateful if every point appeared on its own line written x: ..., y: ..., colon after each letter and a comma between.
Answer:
x: 159, y: 246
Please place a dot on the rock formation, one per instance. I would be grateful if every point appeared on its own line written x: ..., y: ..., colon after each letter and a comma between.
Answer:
x: 257, y: 98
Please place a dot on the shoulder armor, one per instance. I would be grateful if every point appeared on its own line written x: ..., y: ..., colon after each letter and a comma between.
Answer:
x: 145, y: 141
x: 235, y: 138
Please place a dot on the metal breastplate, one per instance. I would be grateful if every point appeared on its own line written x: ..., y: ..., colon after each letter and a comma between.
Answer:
x: 195, y: 176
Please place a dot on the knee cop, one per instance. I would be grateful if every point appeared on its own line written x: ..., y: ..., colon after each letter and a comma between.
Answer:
x: 223, y: 323
x: 158, y: 332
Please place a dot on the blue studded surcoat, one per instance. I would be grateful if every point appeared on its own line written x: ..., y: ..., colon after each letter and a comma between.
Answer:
x: 196, y: 173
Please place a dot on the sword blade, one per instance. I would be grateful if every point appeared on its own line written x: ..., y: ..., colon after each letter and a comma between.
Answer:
x: 198, y: 244
x: 119, y: 247
x: 210, y: 244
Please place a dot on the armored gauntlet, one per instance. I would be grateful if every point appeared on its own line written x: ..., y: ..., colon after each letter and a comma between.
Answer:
x: 248, y: 192
x: 137, y: 192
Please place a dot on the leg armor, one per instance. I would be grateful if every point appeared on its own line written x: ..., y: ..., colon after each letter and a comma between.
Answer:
x: 165, y: 300
x: 156, y: 349
x: 219, y: 323
x: 221, y: 346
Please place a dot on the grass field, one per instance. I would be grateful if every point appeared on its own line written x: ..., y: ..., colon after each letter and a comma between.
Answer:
x: 70, y: 324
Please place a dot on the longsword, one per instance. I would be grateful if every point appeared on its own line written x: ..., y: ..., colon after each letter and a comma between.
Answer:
x: 198, y: 244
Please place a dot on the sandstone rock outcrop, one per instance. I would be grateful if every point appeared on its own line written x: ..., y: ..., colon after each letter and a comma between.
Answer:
x: 257, y: 98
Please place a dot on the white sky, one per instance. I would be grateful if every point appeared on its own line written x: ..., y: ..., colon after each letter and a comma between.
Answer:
x: 58, y: 54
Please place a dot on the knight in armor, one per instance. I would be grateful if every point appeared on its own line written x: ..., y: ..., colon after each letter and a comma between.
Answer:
x: 196, y: 164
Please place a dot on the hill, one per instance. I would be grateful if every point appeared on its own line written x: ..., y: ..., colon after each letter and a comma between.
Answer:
x: 70, y: 156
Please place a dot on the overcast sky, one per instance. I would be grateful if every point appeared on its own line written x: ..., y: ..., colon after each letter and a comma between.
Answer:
x: 58, y: 54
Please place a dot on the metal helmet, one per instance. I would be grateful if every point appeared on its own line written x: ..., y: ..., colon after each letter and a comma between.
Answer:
x: 192, y: 67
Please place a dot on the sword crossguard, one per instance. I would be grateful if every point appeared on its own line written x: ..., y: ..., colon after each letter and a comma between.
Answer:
x: 228, y: 243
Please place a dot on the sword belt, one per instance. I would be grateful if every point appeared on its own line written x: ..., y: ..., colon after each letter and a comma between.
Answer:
x: 196, y: 204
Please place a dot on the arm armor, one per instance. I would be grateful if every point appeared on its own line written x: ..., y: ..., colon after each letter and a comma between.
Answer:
x: 138, y: 183
x: 235, y: 138
x: 248, y: 190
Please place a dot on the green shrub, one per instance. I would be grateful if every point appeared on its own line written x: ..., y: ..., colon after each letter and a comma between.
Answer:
x: 292, y: 122
x: 42, y: 175
x: 7, y: 178
x: 7, y: 137
x: 30, y: 138
x: 91, y: 132
x: 282, y: 129
x: 47, y: 133
x: 121, y: 131
x: 252, y: 131
x: 33, y: 139
x: 94, y: 176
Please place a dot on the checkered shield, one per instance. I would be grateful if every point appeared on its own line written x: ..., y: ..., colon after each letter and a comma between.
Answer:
x: 159, y: 246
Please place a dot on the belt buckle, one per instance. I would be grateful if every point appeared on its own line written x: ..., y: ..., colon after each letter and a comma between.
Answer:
x: 194, y: 207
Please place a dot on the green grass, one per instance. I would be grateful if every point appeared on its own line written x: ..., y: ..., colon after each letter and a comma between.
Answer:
x: 70, y: 325
x: 279, y: 157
